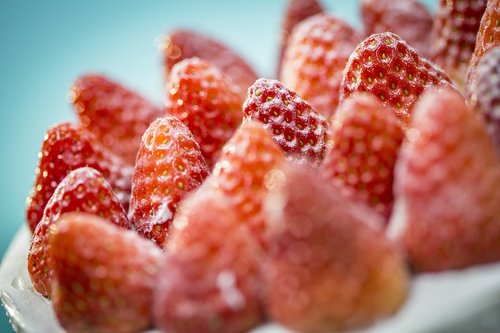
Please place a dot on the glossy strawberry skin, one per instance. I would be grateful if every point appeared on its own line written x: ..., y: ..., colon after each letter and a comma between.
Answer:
x: 410, y: 19
x: 206, y: 101
x: 384, y: 65
x: 212, y: 268
x: 103, y: 277
x: 454, y: 36
x: 240, y: 174
x: 446, y: 211
x: 116, y: 115
x: 366, y: 139
x: 295, y: 12
x: 82, y: 190
x: 317, y: 53
x: 297, y: 128
x: 184, y: 44
x: 68, y: 147
x: 169, y: 164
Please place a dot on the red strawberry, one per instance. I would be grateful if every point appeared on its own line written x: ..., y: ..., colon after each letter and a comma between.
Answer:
x: 209, y: 280
x: 454, y: 35
x: 329, y: 268
x: 295, y: 12
x: 116, y: 115
x: 184, y: 44
x: 206, y: 101
x: 446, y: 211
x: 84, y: 190
x: 298, y: 129
x: 366, y: 139
x: 484, y: 92
x: 169, y: 165
x: 384, y: 65
x: 240, y: 173
x: 488, y: 37
x: 68, y: 147
x: 317, y: 53
x: 103, y: 276
x: 410, y: 19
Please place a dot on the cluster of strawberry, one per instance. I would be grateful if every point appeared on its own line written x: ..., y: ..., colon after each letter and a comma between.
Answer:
x: 302, y: 201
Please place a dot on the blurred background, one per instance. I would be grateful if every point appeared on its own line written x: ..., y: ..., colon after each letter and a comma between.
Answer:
x: 45, y: 46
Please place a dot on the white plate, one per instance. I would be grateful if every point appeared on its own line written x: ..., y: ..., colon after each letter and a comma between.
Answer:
x: 459, y: 302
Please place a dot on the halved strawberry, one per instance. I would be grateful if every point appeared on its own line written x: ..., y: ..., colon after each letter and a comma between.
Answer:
x: 116, y: 115
x: 183, y: 44
x: 210, y: 276
x: 298, y: 129
x: 169, y: 165
x: 295, y: 12
x: 317, y: 53
x: 410, y: 19
x: 384, y: 65
x: 366, y: 139
x: 446, y: 211
x: 454, y: 36
x: 68, y: 147
x: 206, y: 101
x: 82, y: 190
x: 103, y: 276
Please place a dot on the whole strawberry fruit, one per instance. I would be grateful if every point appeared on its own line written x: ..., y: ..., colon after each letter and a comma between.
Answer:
x: 206, y: 101
x: 103, y: 276
x: 317, y: 53
x: 446, y: 211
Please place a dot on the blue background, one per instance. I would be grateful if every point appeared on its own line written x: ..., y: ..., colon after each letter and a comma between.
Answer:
x: 45, y: 45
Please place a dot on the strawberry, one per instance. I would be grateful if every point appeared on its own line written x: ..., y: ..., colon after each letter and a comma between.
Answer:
x: 240, y: 173
x: 68, y: 147
x: 184, y: 44
x: 209, y: 279
x: 446, y: 184
x: 384, y: 65
x: 206, y: 101
x: 484, y: 92
x: 84, y: 190
x: 410, y: 19
x: 317, y: 53
x: 295, y: 12
x: 103, y: 276
x: 298, y: 129
x: 366, y: 139
x: 169, y: 165
x: 116, y: 115
x: 329, y: 267
x: 488, y: 37
x: 454, y: 36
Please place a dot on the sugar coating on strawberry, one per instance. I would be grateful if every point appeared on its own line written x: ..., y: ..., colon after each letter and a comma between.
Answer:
x: 68, y: 147
x: 183, y: 44
x: 116, y: 115
x: 317, y: 53
x: 454, y: 36
x: 206, y: 101
x: 488, y: 37
x: 103, y: 275
x: 295, y: 12
x: 210, y: 276
x: 82, y: 190
x: 294, y: 124
x: 329, y: 267
x: 366, y: 140
x: 169, y: 165
x: 410, y: 19
x: 240, y: 174
x: 447, y: 194
x: 386, y: 66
